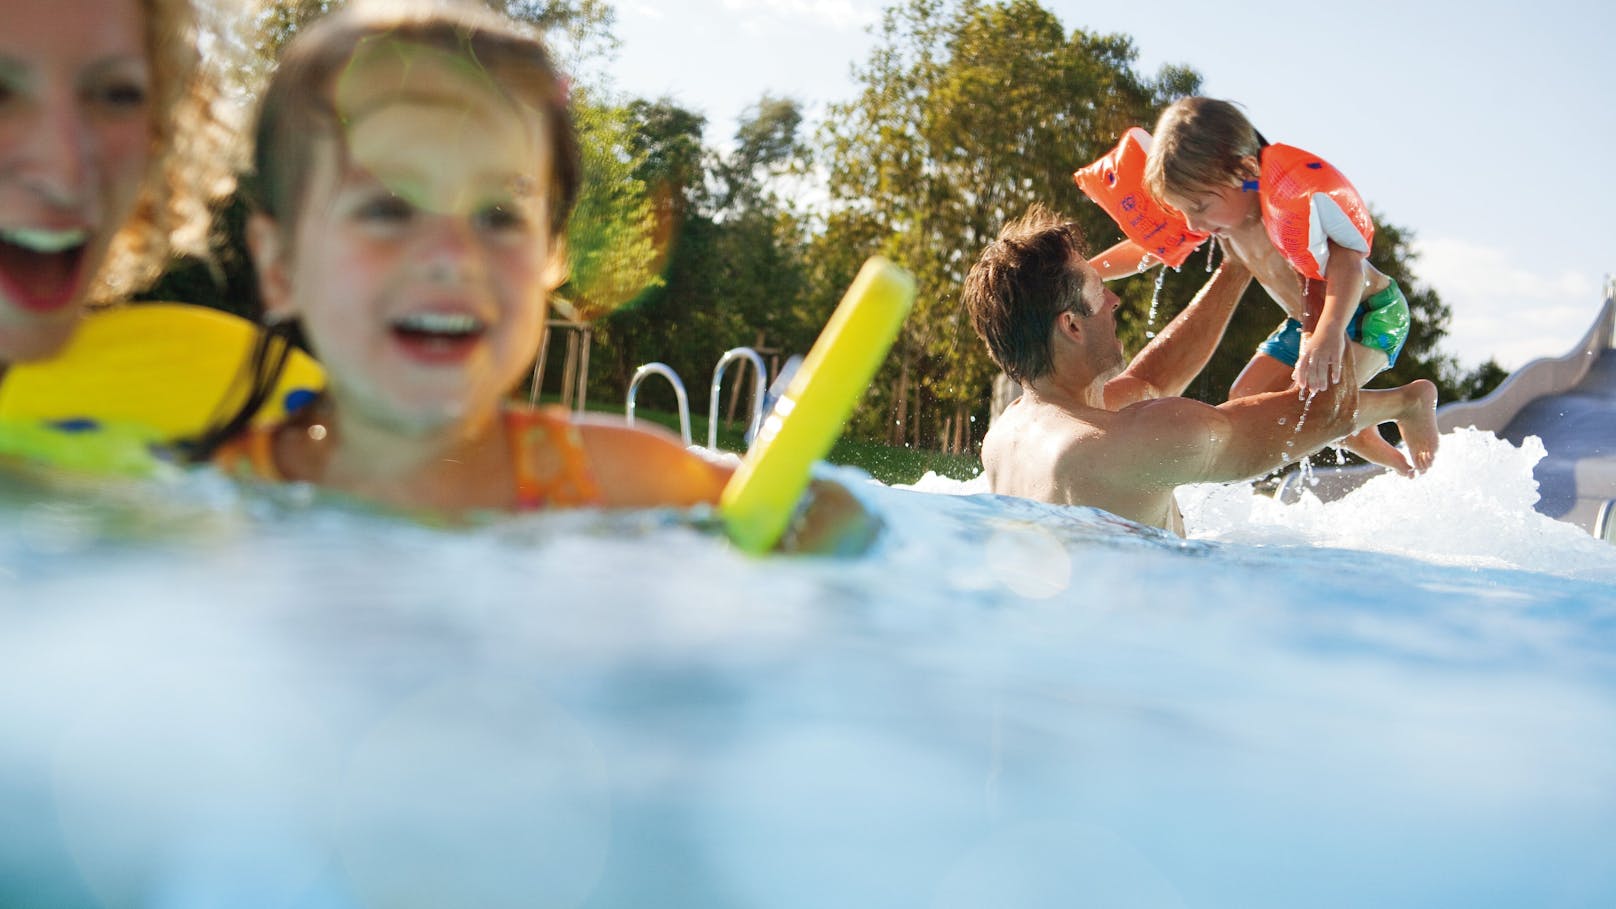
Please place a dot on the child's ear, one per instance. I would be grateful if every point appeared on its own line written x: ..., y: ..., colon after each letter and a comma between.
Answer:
x: 1250, y: 168
x: 270, y: 255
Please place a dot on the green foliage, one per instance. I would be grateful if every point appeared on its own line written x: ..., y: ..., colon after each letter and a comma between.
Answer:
x: 611, y: 239
x: 1481, y: 381
x: 736, y: 259
x: 967, y: 114
x: 1393, y: 254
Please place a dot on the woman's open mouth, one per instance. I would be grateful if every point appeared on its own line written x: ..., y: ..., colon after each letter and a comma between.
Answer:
x: 438, y: 337
x: 42, y: 270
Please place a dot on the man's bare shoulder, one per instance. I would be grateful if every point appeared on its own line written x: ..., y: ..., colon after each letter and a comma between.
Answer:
x: 1162, y: 441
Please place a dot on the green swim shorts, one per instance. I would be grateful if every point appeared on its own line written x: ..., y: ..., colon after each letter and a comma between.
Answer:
x: 1381, y: 322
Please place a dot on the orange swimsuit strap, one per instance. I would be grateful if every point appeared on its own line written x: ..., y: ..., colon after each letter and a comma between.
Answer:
x: 250, y: 455
x: 547, y: 456
x: 552, y: 466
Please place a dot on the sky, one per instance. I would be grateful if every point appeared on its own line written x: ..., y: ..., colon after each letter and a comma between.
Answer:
x: 1484, y: 127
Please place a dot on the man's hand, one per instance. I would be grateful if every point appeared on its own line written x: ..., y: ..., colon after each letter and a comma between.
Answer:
x: 1318, y: 366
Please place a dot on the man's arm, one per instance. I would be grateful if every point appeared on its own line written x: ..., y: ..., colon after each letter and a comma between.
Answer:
x: 1172, y: 360
x: 1179, y: 441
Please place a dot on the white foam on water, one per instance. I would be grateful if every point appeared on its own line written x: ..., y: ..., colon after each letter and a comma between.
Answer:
x: 1473, y: 508
x: 936, y: 482
x: 218, y: 697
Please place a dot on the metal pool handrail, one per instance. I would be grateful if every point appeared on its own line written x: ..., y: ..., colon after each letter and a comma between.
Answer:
x: 759, y: 374
x: 666, y: 371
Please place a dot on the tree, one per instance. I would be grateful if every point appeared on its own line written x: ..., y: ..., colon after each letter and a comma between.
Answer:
x: 969, y: 111
x: 735, y: 269
x: 1481, y: 381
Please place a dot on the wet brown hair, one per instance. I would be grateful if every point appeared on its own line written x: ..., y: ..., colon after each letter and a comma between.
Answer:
x: 1199, y: 143
x: 1020, y: 284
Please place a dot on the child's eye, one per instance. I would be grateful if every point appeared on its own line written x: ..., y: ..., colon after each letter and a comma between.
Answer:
x: 500, y: 217
x: 119, y: 95
x: 388, y: 209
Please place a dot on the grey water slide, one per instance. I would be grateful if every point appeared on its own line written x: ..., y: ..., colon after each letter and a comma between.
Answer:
x: 1569, y: 402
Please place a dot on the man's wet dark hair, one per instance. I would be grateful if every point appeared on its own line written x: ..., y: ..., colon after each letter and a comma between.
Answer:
x: 1020, y: 284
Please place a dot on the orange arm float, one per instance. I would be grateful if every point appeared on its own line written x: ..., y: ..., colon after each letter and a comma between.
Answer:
x: 1116, y: 182
x: 1306, y: 204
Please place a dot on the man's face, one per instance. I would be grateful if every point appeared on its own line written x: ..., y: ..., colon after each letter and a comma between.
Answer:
x: 1101, y: 346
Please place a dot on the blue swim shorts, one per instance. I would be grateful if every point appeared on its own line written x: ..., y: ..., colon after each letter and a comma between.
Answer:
x: 1381, y: 322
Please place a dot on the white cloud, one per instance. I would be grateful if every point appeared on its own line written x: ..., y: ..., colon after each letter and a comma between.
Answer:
x: 646, y: 10
x: 838, y: 14
x: 1502, y: 307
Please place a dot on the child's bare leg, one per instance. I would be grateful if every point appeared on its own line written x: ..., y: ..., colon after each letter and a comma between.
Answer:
x: 1262, y: 375
x: 1265, y: 373
x: 1413, y: 407
x: 1370, y: 445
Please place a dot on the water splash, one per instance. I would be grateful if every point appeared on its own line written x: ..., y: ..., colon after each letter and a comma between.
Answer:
x: 1155, y: 301
x: 1307, y: 404
x: 1473, y: 508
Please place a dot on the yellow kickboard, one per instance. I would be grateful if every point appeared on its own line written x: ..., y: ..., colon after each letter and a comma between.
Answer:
x: 759, y: 500
x: 167, y: 367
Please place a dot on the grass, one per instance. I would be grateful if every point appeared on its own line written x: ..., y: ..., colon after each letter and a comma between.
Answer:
x: 889, y: 464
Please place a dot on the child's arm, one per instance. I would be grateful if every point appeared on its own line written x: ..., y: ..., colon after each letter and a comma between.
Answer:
x: 831, y: 521
x: 1124, y: 259
x: 1320, y: 363
x: 648, y: 467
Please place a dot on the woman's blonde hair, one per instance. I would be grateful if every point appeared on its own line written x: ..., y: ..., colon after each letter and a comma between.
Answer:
x: 193, y: 157
x: 1199, y: 143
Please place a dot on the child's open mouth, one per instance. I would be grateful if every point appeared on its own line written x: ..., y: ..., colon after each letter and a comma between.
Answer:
x: 42, y: 270
x: 438, y: 337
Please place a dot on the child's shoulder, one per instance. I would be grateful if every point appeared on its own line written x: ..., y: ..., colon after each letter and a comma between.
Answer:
x: 631, y: 466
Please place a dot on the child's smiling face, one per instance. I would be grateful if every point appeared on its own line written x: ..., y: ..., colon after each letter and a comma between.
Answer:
x: 1215, y: 209
x: 420, y: 256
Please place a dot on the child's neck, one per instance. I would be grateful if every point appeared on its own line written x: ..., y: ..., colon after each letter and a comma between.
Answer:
x: 460, y: 466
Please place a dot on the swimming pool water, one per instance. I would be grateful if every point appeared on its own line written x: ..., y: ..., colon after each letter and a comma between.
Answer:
x: 211, y: 697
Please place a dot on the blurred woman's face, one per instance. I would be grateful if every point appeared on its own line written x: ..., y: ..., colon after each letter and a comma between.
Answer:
x: 75, y: 139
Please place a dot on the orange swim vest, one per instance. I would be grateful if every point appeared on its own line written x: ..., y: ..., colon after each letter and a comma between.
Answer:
x: 1305, y: 204
x: 1116, y: 182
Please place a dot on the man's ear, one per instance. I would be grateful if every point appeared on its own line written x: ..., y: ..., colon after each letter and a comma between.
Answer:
x: 1068, y: 325
x: 271, y: 256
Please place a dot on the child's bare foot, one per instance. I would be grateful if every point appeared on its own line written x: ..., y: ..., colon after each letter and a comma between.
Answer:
x: 1372, y: 447
x: 1418, y: 423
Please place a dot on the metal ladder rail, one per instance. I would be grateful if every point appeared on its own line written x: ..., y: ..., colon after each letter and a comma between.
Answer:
x: 759, y: 376
x: 666, y: 371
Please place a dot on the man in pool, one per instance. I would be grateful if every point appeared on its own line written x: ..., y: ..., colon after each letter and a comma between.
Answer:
x: 1092, y: 428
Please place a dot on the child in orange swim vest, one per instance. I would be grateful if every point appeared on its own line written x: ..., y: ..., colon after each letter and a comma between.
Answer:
x: 414, y: 176
x: 1305, y: 234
